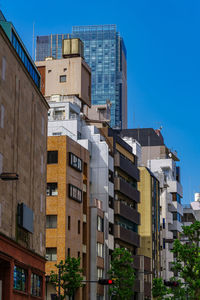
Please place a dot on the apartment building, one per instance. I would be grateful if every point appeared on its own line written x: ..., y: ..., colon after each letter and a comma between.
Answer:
x: 23, y: 120
x: 163, y: 163
x: 66, y: 119
x: 67, y: 206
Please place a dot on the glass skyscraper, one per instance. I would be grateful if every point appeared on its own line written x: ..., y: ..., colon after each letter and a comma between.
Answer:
x: 105, y: 53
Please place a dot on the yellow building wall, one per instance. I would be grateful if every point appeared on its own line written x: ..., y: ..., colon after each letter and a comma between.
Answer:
x: 145, y: 210
x: 56, y: 205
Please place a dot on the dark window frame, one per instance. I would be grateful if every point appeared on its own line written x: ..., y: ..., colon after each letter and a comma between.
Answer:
x: 49, y: 223
x: 20, y: 281
x: 75, y: 193
x: 52, y: 157
x: 75, y: 162
x: 50, y: 254
x: 63, y: 77
x: 50, y: 189
x: 36, y: 285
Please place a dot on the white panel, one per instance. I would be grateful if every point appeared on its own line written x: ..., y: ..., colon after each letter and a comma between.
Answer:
x: 42, y: 126
x: 41, y: 203
x: 2, y: 116
x: 1, y: 163
x: 3, y: 74
x: 41, y: 246
x: 42, y: 163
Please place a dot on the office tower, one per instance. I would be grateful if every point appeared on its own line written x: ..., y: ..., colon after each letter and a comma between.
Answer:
x: 105, y: 53
x: 23, y: 122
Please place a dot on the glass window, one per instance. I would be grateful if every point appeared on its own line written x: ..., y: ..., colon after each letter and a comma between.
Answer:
x: 75, y: 193
x: 75, y: 162
x: 99, y: 273
x: 52, y: 157
x: 100, y: 249
x: 52, y: 189
x: 51, y: 254
x: 63, y: 78
x: 36, y: 285
x: 51, y: 221
x: 20, y: 279
x: 99, y: 223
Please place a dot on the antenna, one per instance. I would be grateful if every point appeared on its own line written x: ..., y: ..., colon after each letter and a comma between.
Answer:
x: 33, y: 46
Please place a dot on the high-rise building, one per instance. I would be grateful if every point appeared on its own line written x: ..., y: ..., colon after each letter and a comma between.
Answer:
x: 23, y: 136
x: 105, y: 53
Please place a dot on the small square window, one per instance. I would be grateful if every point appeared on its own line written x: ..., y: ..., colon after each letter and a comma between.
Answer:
x: 51, y: 254
x: 63, y: 78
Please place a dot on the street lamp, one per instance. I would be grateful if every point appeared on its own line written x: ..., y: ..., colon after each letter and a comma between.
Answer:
x: 9, y: 176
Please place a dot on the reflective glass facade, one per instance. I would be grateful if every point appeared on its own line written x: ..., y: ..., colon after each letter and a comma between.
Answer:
x: 105, y: 53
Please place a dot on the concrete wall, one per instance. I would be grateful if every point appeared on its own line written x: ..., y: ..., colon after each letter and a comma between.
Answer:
x: 78, y: 78
x: 23, y: 121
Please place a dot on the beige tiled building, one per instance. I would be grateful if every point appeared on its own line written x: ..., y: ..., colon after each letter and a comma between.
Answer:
x: 23, y: 131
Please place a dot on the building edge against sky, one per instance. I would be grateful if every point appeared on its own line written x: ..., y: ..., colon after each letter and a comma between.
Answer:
x: 105, y: 53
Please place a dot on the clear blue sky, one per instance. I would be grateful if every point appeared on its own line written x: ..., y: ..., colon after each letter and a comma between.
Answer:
x: 163, y: 45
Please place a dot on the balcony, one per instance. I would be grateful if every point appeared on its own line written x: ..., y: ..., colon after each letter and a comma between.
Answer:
x: 128, y: 167
x: 127, y: 189
x: 147, y: 289
x: 175, y: 187
x: 127, y: 212
x: 128, y: 236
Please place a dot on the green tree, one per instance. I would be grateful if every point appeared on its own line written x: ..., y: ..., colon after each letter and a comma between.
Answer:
x: 187, y: 263
x: 159, y: 290
x: 122, y: 273
x: 186, y: 266
x: 70, y: 277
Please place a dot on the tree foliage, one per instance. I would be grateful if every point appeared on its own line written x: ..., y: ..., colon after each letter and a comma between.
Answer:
x: 122, y: 273
x: 186, y: 266
x: 70, y: 276
x: 159, y: 289
x: 187, y: 263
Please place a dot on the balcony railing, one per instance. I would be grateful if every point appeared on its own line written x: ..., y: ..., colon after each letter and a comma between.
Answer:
x: 126, y: 235
x: 127, y: 212
x: 127, y: 189
x: 127, y: 166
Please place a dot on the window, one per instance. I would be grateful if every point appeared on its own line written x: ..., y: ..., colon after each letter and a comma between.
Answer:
x: 51, y: 221
x: 111, y: 176
x: 99, y: 273
x: 99, y: 223
x: 100, y: 249
x: 69, y: 222
x: 75, y: 162
x: 52, y: 189
x: 20, y: 279
x: 36, y: 285
x: 163, y: 223
x: 52, y: 157
x: 51, y: 254
x: 78, y: 253
x: 111, y: 228
x: 75, y: 193
x: 68, y: 251
x: 63, y: 78
x: 79, y: 226
x: 111, y: 202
